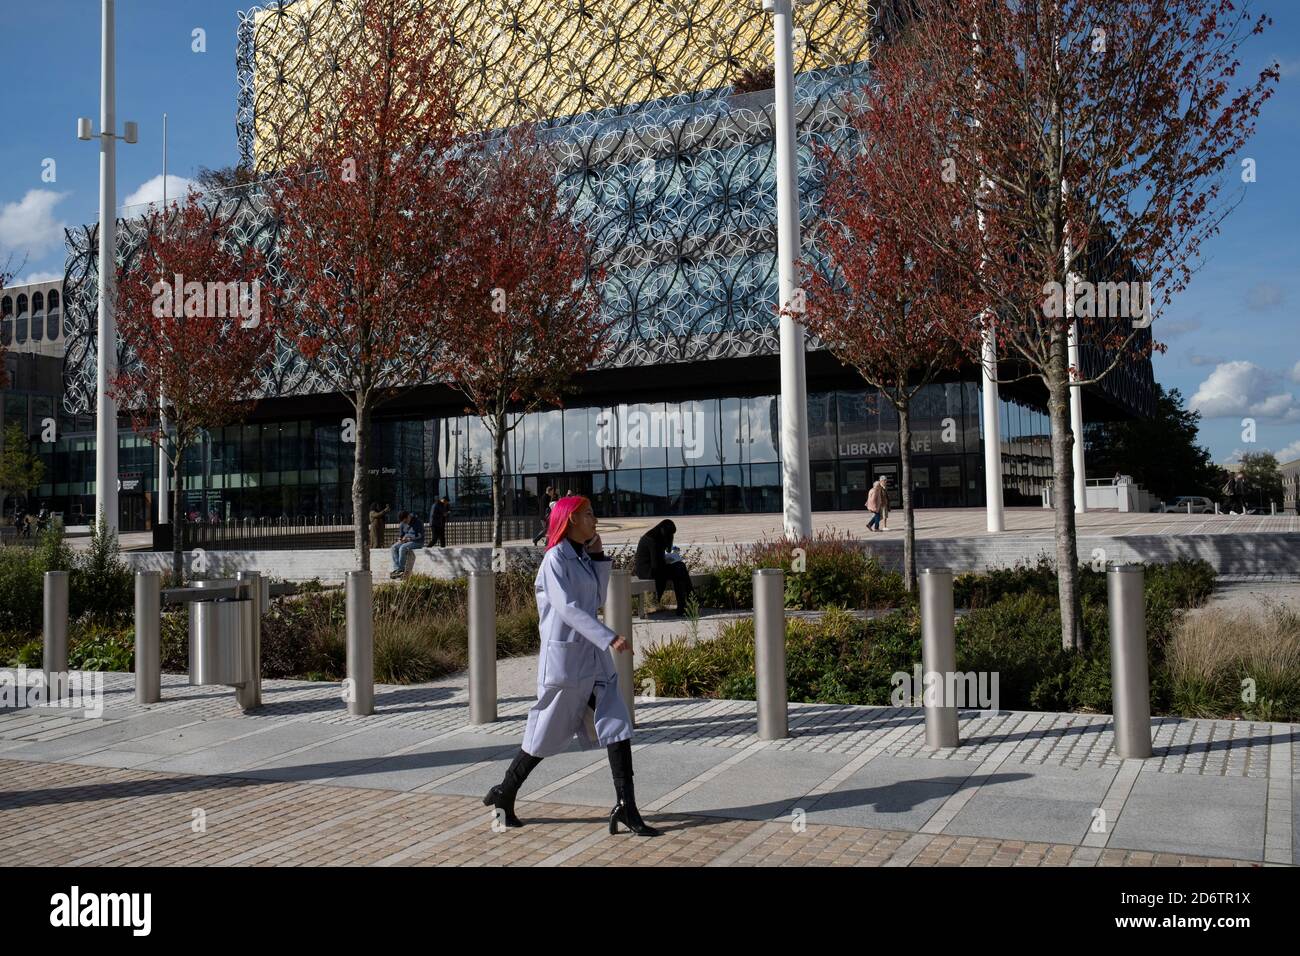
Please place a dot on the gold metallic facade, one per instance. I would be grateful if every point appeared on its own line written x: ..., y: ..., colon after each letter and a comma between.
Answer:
x: 536, y: 60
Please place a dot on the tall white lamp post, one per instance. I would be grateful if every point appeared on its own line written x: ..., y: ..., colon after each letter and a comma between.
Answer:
x: 795, y: 493
x: 105, y: 407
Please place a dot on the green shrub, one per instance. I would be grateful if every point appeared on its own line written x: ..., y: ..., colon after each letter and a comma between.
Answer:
x: 101, y: 648
x: 29, y: 655
x: 100, y: 584
x: 837, y: 571
x: 175, y: 641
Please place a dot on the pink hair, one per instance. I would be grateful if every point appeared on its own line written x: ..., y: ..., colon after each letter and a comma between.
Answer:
x: 561, y: 512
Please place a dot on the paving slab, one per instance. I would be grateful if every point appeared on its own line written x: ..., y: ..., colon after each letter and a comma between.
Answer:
x: 893, y: 793
x: 234, y: 756
x: 412, y: 770
x: 550, y: 771
x: 766, y: 785
x: 658, y: 770
x: 1185, y: 813
x: 99, y: 734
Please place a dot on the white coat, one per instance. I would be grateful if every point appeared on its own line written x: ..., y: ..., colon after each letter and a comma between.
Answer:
x: 575, y: 661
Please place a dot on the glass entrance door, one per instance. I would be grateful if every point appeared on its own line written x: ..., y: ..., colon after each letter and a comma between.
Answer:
x: 888, y: 469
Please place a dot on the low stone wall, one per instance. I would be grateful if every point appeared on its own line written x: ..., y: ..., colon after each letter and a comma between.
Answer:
x: 1256, y: 553
x: 329, y: 566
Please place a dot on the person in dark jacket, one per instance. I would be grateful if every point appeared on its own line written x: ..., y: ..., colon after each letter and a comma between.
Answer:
x: 544, y: 506
x: 656, y: 561
x: 438, y: 522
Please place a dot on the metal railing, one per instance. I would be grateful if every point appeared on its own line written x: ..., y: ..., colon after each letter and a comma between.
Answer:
x: 331, y: 532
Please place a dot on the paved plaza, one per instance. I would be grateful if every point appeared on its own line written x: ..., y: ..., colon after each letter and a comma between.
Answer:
x: 934, y: 523
x: 299, y: 781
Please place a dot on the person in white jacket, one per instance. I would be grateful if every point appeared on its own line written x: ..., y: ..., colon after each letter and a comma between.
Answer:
x: 575, y: 669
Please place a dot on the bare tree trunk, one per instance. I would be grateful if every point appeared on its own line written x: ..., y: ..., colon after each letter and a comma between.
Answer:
x: 498, y: 473
x: 178, y: 532
x: 359, y: 458
x: 1067, y: 550
x: 909, y: 523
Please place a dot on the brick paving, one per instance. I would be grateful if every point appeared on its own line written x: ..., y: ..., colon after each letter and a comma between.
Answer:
x: 64, y: 814
x: 299, y: 781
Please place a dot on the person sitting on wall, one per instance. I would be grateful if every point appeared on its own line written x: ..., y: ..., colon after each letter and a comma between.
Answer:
x: 410, y: 535
x: 657, y: 560
x: 378, y: 514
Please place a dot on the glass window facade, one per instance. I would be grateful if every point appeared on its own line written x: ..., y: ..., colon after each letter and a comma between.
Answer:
x: 707, y: 456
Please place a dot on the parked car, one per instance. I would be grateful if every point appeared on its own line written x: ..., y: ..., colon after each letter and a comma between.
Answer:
x: 1200, y: 506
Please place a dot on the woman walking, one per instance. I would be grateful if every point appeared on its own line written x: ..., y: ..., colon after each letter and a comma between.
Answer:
x: 575, y: 669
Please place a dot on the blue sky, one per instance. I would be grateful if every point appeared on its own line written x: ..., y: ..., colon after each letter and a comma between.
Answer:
x: 1233, y: 336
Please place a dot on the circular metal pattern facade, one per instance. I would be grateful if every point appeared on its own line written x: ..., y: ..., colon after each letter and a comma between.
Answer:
x: 671, y: 169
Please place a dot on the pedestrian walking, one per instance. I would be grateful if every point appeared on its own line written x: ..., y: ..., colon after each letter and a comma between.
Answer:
x: 884, y: 502
x: 577, y: 683
x: 544, y: 506
x: 875, y: 499
x: 438, y: 522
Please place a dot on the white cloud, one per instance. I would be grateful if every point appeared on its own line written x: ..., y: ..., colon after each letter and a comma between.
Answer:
x: 1236, y: 389
x: 33, y: 277
x: 28, y: 228
x: 1198, y: 360
x: 1295, y: 373
x: 151, y: 192
x: 1288, y: 452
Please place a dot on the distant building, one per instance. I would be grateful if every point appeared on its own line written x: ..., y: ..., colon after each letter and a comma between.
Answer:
x: 1290, y: 472
x: 31, y: 319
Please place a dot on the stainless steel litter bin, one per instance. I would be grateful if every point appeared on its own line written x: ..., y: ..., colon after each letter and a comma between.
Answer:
x: 218, y: 632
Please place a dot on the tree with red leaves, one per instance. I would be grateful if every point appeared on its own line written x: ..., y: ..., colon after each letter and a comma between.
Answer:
x: 528, y: 316
x: 368, y: 219
x: 883, y: 300
x: 1095, y: 142
x: 198, y: 328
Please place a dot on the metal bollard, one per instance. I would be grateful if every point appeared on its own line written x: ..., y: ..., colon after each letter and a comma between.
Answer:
x: 361, y: 644
x: 148, y: 637
x: 1189, y: 507
x: 938, y: 656
x: 250, y: 695
x: 1130, y: 687
x: 1272, y: 508
x: 618, y: 617
x: 54, y: 658
x: 1216, y: 507
x: 482, y: 647
x: 769, y: 653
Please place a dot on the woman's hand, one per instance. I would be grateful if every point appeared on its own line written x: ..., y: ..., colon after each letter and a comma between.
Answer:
x: 619, y: 643
x: 594, y: 545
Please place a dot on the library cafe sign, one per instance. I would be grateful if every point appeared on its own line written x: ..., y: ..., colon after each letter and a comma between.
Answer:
x: 879, y: 449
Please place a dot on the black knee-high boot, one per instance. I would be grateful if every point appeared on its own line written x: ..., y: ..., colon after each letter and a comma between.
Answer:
x: 625, y: 811
x: 502, y: 796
